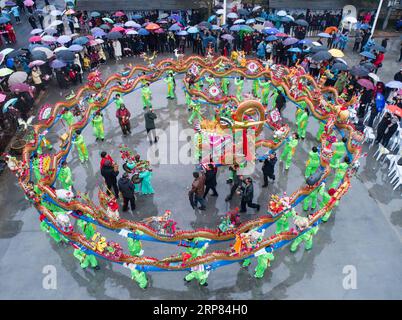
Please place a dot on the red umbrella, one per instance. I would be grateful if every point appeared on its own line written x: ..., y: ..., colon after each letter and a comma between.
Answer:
x: 119, y: 14
x: 35, y: 39
x: 395, y: 110
x: 118, y: 29
x: 366, y: 84
x: 280, y: 34
x: 152, y: 26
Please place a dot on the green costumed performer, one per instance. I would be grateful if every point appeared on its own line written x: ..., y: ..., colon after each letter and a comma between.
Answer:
x: 339, y: 152
x: 188, y: 98
x: 210, y: 80
x: 68, y: 117
x: 320, y: 131
x: 313, y: 162
x: 282, y: 224
x: 134, y: 245
x: 196, y: 111
x: 198, y: 85
x: 198, y: 272
x: 302, y: 123
x: 299, y: 110
x: 311, y: 198
x: 36, y: 167
x: 81, y: 146
x: 256, y: 240
x: 266, y: 85
x: 225, y: 86
x: 197, y: 146
x: 140, y: 277
x: 146, y: 96
x: 118, y: 100
x: 87, y: 228
x: 306, y: 237
x: 97, y: 124
x: 326, y: 197
x: 256, y: 88
x: 263, y: 262
x: 340, y: 173
x: 170, y: 86
x: 86, y: 260
x: 65, y: 176
x: 239, y: 83
x: 146, y: 186
x: 289, y: 150
x: 44, y: 143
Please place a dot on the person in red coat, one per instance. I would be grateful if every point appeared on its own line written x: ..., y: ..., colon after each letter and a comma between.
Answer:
x: 124, y: 119
x: 378, y: 61
x: 105, y: 157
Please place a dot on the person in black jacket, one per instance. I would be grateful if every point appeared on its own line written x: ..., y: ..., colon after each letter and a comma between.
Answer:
x: 236, y: 180
x: 280, y: 101
x: 247, y: 197
x: 110, y: 173
x: 210, y: 180
x: 386, y: 129
x: 150, y: 117
x: 126, y: 187
x: 268, y: 168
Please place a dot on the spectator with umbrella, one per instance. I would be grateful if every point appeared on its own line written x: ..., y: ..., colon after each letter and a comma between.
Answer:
x: 37, y: 80
x: 32, y: 22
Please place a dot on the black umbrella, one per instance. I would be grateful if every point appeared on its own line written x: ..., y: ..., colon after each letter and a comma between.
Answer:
x: 16, y: 53
x: 205, y: 24
x: 369, y: 66
x: 315, y: 49
x: 359, y: 71
x: 114, y: 35
x: 340, y: 66
x: 38, y: 55
x: 301, y: 22
x: 321, y: 56
x: 243, y: 12
x: 65, y: 55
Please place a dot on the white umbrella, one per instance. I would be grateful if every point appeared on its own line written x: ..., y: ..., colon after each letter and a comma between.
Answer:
x: 232, y: 15
x: 37, y: 31
x: 238, y: 21
x: 6, y: 51
x: 317, y: 44
x: 17, y: 77
x: 131, y: 32
x: 48, y: 38
x: 258, y: 27
x: 220, y: 11
x: 60, y: 49
x: 47, y: 51
x: 374, y: 77
x: 350, y: 19
x: 56, y: 13
x: 281, y: 13
x: 341, y: 60
x: 99, y: 41
x: 56, y: 23
x: 256, y: 8
x: 63, y: 39
x: 290, y: 17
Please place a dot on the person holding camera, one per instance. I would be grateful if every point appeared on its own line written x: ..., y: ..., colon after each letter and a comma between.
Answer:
x: 247, y: 196
x: 268, y: 168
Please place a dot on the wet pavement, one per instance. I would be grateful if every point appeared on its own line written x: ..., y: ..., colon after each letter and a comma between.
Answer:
x: 364, y: 232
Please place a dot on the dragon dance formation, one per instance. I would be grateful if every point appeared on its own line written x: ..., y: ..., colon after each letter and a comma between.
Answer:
x: 206, y: 81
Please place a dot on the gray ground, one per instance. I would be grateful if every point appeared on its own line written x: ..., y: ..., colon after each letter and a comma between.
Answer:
x: 364, y: 232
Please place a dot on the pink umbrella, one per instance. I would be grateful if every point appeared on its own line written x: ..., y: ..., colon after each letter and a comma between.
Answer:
x: 400, y: 92
x: 35, y: 39
x: 21, y: 87
x: 92, y: 43
x: 366, y: 84
x: 28, y: 3
x: 118, y: 29
x: 159, y: 30
x: 36, y: 63
x: 2, y: 97
x: 268, y: 24
x: 90, y: 37
x: 119, y: 14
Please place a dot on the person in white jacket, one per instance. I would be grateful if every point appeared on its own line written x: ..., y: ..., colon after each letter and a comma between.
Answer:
x: 117, y: 49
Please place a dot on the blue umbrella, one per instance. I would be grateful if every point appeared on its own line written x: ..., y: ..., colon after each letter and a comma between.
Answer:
x: 175, y: 17
x: 294, y: 50
x: 75, y: 48
x: 193, y: 30
x: 235, y: 28
x: 290, y: 41
x: 136, y: 16
x: 81, y: 41
x: 215, y: 27
x: 260, y: 19
x: 96, y: 29
x: 367, y: 55
x: 143, y: 32
x: 271, y: 38
x: 175, y: 27
x: 285, y: 19
x: 324, y: 35
x: 95, y: 14
x: 305, y: 42
x: 270, y: 31
x: 364, y: 26
x: 4, y: 20
x: 10, y: 102
x: 211, y: 18
x: 182, y: 33
x: 250, y: 21
x: 57, y: 64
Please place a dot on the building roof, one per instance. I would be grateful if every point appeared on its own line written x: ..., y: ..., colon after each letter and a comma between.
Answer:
x: 320, y: 5
x: 136, y: 5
